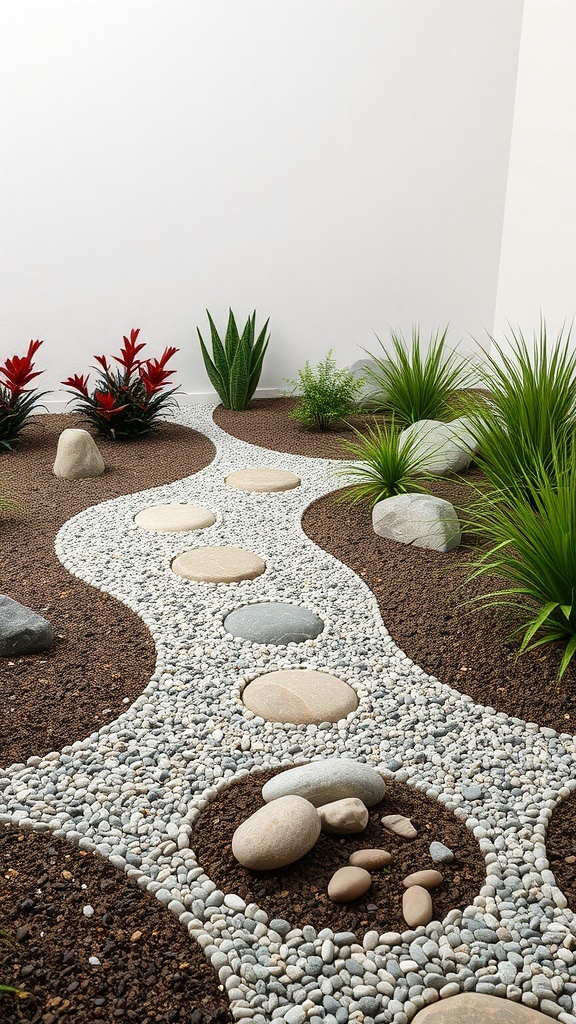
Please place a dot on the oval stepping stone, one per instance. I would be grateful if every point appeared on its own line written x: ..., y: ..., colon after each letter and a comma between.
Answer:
x: 218, y: 565
x: 273, y: 622
x: 471, y: 1007
x: 172, y: 518
x: 301, y: 696
x: 266, y: 478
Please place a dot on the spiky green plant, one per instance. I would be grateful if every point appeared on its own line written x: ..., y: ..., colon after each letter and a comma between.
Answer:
x: 530, y: 410
x: 418, y: 386
x: 236, y: 364
x: 387, y: 465
x: 326, y: 394
x: 532, y: 546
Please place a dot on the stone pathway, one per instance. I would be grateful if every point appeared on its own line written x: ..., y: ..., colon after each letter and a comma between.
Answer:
x: 190, y: 733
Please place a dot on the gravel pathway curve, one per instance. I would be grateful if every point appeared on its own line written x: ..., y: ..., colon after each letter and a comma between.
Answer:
x: 189, y: 734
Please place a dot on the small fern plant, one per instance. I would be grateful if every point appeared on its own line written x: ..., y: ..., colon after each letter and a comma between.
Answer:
x: 327, y: 394
x: 236, y: 363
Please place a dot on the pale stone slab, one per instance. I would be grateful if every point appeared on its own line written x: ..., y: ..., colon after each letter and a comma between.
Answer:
x: 348, y: 884
x: 476, y: 1008
x: 417, y: 906
x: 371, y: 859
x: 400, y: 825
x: 277, y: 834
x: 342, y: 817
x: 274, y: 622
x: 218, y: 565
x: 421, y: 520
x: 265, y: 478
x: 77, y: 456
x: 321, y: 782
x: 428, y: 878
x: 174, y: 518
x: 301, y: 696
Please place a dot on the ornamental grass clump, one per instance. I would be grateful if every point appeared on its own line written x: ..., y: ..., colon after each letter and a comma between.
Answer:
x: 531, y: 532
x: 530, y: 412
x: 387, y: 465
x: 17, y: 401
x: 236, y: 363
x: 326, y: 394
x: 127, y: 402
x: 418, y: 386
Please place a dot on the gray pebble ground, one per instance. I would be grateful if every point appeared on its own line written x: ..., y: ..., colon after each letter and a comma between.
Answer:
x: 188, y: 735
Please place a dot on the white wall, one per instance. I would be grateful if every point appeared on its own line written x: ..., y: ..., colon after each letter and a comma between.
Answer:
x: 538, y: 263
x: 339, y: 165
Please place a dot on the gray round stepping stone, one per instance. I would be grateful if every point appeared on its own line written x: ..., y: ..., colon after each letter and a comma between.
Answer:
x: 300, y: 696
x: 218, y: 565
x: 471, y: 1007
x: 265, y: 478
x: 274, y: 622
x: 173, y: 518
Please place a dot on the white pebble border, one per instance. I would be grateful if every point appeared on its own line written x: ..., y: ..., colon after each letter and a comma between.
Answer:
x: 188, y: 735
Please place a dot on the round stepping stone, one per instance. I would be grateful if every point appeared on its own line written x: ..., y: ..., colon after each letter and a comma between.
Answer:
x: 301, y: 696
x: 471, y: 1007
x: 173, y: 518
x: 218, y: 565
x: 266, y: 478
x: 272, y: 622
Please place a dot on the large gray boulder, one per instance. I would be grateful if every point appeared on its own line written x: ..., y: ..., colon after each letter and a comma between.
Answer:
x: 321, y: 782
x: 442, y: 448
x: 418, y: 519
x: 370, y: 395
x: 77, y: 456
x: 22, y: 631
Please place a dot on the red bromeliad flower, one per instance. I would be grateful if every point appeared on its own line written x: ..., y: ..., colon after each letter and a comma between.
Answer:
x: 127, y: 359
x: 78, y: 383
x: 106, y: 404
x: 152, y: 372
x: 19, y: 371
x: 103, y: 363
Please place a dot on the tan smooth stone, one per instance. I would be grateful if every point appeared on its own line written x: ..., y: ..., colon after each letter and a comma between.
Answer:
x: 472, y: 1007
x: 348, y: 884
x: 218, y: 565
x: 399, y: 825
x: 301, y: 696
x: 370, y: 859
x: 341, y: 817
x: 417, y: 906
x: 77, y: 456
x: 428, y: 879
x: 264, y: 478
x: 277, y: 834
x: 172, y: 518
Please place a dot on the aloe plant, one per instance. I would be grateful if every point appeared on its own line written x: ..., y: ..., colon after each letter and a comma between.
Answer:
x: 236, y: 364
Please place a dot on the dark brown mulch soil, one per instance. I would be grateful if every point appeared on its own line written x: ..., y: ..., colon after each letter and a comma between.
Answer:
x: 102, y: 655
x: 298, y: 892
x: 150, y: 971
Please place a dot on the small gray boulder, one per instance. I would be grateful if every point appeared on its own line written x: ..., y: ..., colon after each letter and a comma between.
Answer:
x: 22, y: 631
x: 371, y: 394
x: 418, y: 519
x: 443, y: 448
x: 321, y: 782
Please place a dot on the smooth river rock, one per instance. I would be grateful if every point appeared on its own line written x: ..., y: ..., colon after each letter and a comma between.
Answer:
x: 265, y: 478
x: 428, y: 879
x: 218, y: 565
x: 277, y: 834
x: 322, y: 782
x: 477, y: 1008
x: 341, y: 817
x: 22, y: 631
x: 174, y: 518
x: 348, y: 884
x: 399, y: 825
x: 274, y: 622
x: 417, y: 906
x: 440, y: 853
x: 77, y: 455
x: 370, y: 859
x: 301, y: 696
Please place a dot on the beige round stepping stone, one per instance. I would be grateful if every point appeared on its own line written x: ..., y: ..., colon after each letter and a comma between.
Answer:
x: 348, y: 884
x: 218, y: 565
x: 371, y: 859
x: 416, y: 906
x: 266, y: 478
x: 277, y: 834
x: 172, y: 518
x: 301, y: 696
x: 472, y: 1007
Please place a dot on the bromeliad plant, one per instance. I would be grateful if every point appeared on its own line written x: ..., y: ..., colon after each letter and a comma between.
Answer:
x: 236, y: 364
x: 126, y: 402
x: 326, y: 394
x: 418, y: 386
x: 17, y: 401
x: 387, y: 465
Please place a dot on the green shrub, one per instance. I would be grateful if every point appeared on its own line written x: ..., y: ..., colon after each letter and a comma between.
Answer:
x: 386, y: 466
x: 326, y: 394
x: 532, y: 546
x: 236, y: 364
x: 529, y: 413
x: 417, y: 386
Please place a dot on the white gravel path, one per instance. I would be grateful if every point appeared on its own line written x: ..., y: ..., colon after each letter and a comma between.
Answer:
x: 188, y: 734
